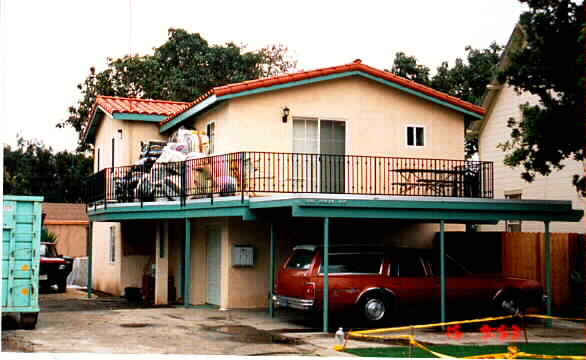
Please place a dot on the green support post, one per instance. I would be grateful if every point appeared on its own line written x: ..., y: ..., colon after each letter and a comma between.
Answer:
x: 548, y: 273
x: 187, y: 257
x: 89, y: 259
x: 443, y: 270
x: 272, y: 272
x: 326, y: 273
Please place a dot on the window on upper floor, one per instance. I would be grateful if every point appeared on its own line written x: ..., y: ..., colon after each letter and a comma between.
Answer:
x: 98, y: 158
x: 415, y: 136
x: 211, y: 133
x: 513, y: 225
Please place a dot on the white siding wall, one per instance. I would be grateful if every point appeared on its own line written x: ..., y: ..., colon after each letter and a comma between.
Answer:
x: 556, y: 186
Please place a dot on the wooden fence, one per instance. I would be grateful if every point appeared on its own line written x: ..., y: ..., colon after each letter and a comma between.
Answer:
x: 523, y: 255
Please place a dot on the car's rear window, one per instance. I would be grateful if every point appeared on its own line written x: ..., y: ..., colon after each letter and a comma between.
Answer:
x: 355, y: 263
x: 301, y: 260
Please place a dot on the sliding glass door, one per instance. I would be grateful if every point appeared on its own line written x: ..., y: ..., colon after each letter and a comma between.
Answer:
x: 324, y: 171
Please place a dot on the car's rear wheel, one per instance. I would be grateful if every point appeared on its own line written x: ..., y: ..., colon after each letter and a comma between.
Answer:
x: 508, y: 303
x: 375, y: 309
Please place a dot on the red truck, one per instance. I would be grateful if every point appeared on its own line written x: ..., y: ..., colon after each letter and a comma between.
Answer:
x: 379, y: 283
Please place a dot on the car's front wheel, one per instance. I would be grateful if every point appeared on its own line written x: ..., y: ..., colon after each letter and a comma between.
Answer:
x: 375, y: 309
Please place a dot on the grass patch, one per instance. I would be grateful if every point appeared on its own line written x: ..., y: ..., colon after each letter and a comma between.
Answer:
x: 470, y: 350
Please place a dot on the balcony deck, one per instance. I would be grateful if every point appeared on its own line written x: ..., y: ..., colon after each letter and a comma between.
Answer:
x: 257, y: 174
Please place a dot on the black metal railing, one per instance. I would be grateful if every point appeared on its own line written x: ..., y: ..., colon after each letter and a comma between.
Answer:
x: 255, y: 173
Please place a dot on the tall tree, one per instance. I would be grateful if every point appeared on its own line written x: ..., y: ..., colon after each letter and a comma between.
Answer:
x: 467, y: 79
x: 547, y: 60
x: 33, y: 169
x: 181, y: 69
x: 408, y: 67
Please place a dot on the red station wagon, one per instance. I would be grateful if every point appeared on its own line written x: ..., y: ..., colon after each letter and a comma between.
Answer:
x: 377, y: 283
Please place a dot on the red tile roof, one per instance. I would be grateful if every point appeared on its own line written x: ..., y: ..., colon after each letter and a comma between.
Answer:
x: 113, y: 104
x: 304, y: 75
x: 139, y: 106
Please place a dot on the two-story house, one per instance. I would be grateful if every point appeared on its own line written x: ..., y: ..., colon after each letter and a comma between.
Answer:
x: 345, y: 154
x: 502, y: 102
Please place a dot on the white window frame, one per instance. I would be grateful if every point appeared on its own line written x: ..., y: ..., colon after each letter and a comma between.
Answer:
x: 407, y: 127
x: 112, y: 245
x: 211, y: 139
x: 98, y: 157
x: 319, y: 120
x: 510, y: 223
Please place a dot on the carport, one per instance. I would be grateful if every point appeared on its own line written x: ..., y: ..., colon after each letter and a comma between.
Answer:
x: 271, y: 209
x: 428, y: 210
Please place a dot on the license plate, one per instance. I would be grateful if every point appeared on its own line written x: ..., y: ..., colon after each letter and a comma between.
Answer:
x: 43, y: 277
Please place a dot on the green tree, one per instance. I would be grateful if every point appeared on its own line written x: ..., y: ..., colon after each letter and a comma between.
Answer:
x: 33, y: 169
x: 407, y: 66
x: 546, y: 60
x: 467, y: 79
x: 181, y: 69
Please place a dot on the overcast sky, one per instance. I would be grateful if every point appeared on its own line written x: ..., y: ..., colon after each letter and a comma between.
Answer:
x: 47, y: 47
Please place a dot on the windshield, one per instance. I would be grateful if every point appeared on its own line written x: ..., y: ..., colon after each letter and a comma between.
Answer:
x: 48, y: 250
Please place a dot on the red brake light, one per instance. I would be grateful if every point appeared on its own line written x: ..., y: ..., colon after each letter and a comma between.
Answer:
x: 309, y: 290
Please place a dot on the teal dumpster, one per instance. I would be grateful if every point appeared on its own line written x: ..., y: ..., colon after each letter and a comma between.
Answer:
x: 21, y: 237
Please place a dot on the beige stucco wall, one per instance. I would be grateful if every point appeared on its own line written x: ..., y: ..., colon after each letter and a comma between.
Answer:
x: 106, y: 276
x: 249, y: 286
x: 375, y: 115
x: 127, y: 149
x: 71, y: 238
x: 556, y: 186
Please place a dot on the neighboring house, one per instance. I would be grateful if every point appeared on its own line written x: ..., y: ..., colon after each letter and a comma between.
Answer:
x: 502, y: 102
x: 345, y: 154
x: 69, y: 222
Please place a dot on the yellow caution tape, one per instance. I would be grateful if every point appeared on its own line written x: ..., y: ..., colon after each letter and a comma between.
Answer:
x: 524, y: 355
x: 375, y: 331
x: 425, y: 326
x: 512, y: 354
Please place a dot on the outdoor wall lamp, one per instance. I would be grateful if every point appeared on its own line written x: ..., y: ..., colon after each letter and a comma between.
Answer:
x: 285, y: 114
x: 119, y: 134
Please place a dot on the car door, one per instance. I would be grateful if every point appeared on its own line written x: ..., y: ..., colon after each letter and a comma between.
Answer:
x: 349, y: 274
x: 416, y: 288
x: 464, y: 291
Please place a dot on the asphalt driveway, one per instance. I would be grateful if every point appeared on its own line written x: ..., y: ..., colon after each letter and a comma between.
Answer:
x: 70, y: 323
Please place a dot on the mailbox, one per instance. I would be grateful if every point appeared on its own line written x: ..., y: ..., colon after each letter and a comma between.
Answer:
x: 243, y: 255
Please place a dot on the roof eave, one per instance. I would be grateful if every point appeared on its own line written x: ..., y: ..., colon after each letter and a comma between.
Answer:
x: 186, y: 114
x: 92, y: 123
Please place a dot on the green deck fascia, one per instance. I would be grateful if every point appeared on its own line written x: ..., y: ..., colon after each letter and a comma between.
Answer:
x: 172, y: 211
x: 451, y: 210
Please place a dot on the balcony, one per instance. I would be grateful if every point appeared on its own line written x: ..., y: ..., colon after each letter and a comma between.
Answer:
x: 250, y: 174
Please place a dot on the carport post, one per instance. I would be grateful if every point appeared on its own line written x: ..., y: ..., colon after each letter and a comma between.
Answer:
x: 89, y: 259
x: 548, y: 272
x: 326, y: 273
x: 443, y: 271
x: 272, y: 272
x: 187, y: 257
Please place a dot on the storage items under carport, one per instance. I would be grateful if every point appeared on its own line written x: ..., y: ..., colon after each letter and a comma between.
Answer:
x: 21, y: 236
x: 148, y: 285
